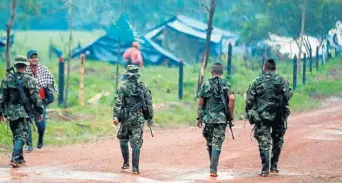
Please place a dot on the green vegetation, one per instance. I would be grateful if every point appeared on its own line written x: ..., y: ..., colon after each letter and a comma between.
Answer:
x: 82, y: 124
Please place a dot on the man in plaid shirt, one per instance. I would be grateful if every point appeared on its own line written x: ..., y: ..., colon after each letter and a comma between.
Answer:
x: 45, y: 80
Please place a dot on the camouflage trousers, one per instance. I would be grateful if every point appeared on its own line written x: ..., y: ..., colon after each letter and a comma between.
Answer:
x: 268, y: 134
x: 132, y: 130
x: 214, y: 134
x: 19, y: 130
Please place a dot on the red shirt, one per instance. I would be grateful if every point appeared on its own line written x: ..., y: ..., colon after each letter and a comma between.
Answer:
x: 41, y: 91
x: 134, y: 55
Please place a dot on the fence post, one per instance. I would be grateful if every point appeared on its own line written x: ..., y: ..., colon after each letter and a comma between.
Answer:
x: 229, y: 65
x: 328, y: 50
x: 295, y: 72
x: 180, y: 80
x: 336, y: 52
x: 304, y: 69
x: 61, y: 82
x: 317, y: 57
x: 82, y: 76
x: 310, y: 55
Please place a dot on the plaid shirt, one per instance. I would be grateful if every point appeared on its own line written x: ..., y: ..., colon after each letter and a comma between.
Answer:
x: 43, y: 76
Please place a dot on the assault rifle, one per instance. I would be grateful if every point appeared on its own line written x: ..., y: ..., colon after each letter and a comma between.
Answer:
x: 224, y: 96
x: 142, y: 105
x: 23, y: 98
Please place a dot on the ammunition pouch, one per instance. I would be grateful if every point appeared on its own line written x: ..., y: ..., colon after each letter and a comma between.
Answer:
x: 253, y: 117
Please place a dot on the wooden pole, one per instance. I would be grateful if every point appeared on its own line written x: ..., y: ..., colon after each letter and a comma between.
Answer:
x: 82, y: 77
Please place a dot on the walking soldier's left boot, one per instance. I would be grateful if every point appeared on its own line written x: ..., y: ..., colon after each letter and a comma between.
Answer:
x: 274, y: 159
x: 135, y: 160
x: 265, y: 161
x: 125, y: 155
x: 17, y: 152
x: 215, y: 155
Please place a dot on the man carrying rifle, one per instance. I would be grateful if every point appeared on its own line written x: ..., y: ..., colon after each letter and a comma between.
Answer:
x: 19, y: 96
x: 215, y: 110
x: 267, y: 107
x: 133, y: 105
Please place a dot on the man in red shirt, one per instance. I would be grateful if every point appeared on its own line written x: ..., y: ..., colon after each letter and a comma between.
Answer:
x: 45, y: 81
x: 133, y: 55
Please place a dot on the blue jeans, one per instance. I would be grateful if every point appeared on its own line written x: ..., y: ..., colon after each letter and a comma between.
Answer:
x: 40, y: 125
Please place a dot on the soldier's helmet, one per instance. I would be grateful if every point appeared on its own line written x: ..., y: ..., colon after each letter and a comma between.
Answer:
x: 20, y: 59
x: 132, y: 69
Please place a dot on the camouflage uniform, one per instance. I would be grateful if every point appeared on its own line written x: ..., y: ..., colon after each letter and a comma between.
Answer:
x: 214, y: 119
x: 267, y: 106
x: 131, y: 122
x: 13, y: 110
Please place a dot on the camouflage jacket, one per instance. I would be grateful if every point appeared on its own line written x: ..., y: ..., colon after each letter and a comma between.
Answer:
x: 213, y: 108
x: 126, y: 97
x: 13, y: 111
x: 261, y: 94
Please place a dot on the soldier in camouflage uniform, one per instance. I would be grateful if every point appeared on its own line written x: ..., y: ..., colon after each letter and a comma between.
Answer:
x: 211, y: 113
x: 131, y: 122
x: 267, y: 107
x: 11, y: 107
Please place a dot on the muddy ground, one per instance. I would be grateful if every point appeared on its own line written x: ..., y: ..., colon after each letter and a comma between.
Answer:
x: 312, y: 153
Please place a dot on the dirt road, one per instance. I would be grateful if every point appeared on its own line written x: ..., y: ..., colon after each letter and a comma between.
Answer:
x: 312, y: 153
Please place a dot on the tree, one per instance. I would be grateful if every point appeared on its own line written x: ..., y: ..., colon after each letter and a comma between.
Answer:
x: 8, y: 32
x: 209, y: 6
x: 71, y: 4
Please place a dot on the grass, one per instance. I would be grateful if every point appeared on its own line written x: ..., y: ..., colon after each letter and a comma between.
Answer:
x: 84, y: 124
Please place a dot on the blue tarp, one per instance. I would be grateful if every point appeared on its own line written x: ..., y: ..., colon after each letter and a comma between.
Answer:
x: 106, y: 48
x: 3, y: 41
x: 186, y: 36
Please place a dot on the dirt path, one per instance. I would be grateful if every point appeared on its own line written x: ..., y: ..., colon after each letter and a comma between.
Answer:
x: 312, y: 153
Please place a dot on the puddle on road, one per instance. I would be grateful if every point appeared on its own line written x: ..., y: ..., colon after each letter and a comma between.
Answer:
x: 223, y: 175
x: 31, y: 174
x: 335, y: 132
x: 34, y: 174
x: 331, y: 135
x: 4, y: 175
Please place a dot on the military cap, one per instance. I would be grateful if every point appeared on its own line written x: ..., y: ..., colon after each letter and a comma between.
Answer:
x: 132, y: 69
x: 20, y: 59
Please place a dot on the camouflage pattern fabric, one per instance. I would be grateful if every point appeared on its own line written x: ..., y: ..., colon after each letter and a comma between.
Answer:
x: 270, y: 134
x: 15, y: 111
x: 131, y: 122
x: 213, y: 111
x: 267, y: 106
x: 19, y: 129
x: 214, y: 134
x: 132, y: 131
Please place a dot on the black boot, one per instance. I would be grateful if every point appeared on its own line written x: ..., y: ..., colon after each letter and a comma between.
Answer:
x: 135, y: 161
x: 17, y: 149
x: 264, y: 155
x: 274, y: 159
x: 215, y: 155
x: 209, y: 151
x: 40, y: 140
x: 125, y: 155
x: 21, y: 157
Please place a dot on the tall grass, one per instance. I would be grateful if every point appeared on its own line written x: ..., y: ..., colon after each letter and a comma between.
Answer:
x: 81, y: 124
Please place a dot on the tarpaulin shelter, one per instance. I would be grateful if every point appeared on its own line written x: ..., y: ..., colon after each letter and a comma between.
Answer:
x: 185, y: 37
x: 122, y: 35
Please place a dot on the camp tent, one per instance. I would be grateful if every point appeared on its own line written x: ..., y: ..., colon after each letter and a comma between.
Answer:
x: 185, y: 37
x: 3, y: 41
x: 106, y: 48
